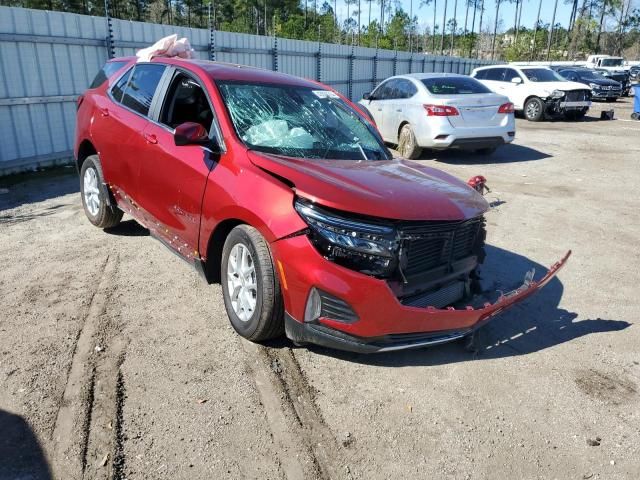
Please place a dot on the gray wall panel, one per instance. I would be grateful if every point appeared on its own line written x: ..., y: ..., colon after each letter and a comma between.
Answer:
x: 64, y: 51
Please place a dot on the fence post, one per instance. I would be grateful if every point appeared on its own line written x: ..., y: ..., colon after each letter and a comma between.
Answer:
x: 319, y: 62
x: 411, y: 63
x: 424, y: 62
x: 109, y: 40
x: 212, y: 36
x: 350, y: 78
x: 275, y: 54
x: 395, y: 57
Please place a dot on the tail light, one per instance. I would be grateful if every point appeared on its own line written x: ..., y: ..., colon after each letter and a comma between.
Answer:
x: 506, y: 108
x: 441, y: 111
x: 79, y: 101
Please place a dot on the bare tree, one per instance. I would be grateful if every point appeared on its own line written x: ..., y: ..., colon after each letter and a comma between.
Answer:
x: 480, y: 27
x: 553, y: 22
x: 495, y: 28
x: 535, y: 31
x: 444, y: 23
x: 454, y: 26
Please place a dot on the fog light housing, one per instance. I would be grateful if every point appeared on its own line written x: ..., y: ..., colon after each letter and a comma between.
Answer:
x: 511, y: 134
x: 321, y: 304
x: 314, y: 306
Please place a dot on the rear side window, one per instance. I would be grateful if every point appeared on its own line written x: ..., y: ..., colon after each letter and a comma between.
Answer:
x: 105, y: 72
x: 480, y: 74
x: 118, y: 89
x: 141, y: 88
x: 384, y: 91
x: 496, y: 74
x: 454, y: 86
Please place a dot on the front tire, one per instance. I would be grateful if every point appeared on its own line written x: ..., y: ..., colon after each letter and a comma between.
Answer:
x: 407, y: 143
x: 94, y: 195
x: 534, y: 110
x: 250, y: 286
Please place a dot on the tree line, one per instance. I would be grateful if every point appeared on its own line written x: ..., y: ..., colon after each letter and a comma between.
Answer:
x: 594, y: 26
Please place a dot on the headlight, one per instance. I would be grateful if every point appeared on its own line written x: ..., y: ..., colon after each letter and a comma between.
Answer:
x: 557, y: 94
x: 594, y: 86
x: 356, y: 244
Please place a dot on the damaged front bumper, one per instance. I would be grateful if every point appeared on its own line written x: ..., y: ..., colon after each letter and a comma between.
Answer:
x: 465, y: 321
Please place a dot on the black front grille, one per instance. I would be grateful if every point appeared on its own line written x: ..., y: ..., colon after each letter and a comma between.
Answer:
x: 437, y: 244
x: 577, y: 95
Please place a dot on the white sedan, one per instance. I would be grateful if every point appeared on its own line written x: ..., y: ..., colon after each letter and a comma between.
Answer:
x: 439, y: 111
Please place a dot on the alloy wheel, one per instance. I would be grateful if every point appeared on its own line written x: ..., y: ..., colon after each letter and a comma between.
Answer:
x: 91, y: 192
x: 533, y: 109
x: 242, y: 282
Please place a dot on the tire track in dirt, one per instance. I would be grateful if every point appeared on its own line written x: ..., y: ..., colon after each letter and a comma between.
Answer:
x: 307, y: 445
x: 84, y: 385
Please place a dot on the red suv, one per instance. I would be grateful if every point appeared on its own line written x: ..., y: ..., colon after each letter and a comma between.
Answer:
x: 283, y: 191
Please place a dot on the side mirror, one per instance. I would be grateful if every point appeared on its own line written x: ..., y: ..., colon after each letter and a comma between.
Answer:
x: 190, y: 133
x: 367, y: 96
x: 516, y: 80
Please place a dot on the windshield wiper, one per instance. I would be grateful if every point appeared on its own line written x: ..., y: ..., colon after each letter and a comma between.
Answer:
x: 361, y: 151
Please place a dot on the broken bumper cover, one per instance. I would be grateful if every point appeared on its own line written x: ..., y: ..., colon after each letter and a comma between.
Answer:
x: 325, y: 333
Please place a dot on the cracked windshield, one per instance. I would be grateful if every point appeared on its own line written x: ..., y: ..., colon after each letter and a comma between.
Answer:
x: 300, y: 122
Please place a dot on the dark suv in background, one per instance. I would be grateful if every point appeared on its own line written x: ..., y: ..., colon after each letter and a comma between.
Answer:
x: 602, y: 88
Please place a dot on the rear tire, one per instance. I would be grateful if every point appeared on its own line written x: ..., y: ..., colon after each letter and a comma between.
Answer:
x: 534, y: 109
x: 251, y: 288
x: 407, y: 143
x: 93, y: 192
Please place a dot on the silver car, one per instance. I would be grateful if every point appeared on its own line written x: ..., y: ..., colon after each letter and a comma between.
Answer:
x: 439, y: 111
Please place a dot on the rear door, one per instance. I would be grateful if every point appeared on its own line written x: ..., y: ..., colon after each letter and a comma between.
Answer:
x: 399, y: 109
x: 119, y: 125
x: 173, y: 178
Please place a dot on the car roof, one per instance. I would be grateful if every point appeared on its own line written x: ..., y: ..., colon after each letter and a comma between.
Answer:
x: 231, y: 71
x: 422, y: 76
x: 510, y: 65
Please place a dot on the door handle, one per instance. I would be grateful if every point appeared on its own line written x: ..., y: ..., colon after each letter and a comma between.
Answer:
x: 150, y: 138
x: 379, y: 109
x: 104, y: 112
x: 398, y: 110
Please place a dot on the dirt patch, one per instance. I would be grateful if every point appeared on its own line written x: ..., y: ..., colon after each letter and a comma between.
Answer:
x: 606, y: 387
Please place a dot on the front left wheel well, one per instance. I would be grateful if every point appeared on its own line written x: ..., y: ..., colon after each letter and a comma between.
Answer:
x: 215, y: 246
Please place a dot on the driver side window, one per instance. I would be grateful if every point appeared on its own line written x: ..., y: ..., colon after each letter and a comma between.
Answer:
x: 186, y: 102
x: 383, y: 92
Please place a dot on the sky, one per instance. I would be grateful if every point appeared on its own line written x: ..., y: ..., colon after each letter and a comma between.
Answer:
x: 507, y: 12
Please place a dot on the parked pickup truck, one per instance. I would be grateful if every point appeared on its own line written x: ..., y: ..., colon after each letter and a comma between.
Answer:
x: 611, y: 67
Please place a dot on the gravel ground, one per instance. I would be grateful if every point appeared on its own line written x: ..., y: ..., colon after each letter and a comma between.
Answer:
x: 117, y: 360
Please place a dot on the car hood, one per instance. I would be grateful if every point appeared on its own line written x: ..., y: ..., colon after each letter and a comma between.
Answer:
x: 395, y: 189
x: 564, y: 86
x: 602, y: 81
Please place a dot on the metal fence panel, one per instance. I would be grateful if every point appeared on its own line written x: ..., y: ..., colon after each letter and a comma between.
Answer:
x: 48, y: 58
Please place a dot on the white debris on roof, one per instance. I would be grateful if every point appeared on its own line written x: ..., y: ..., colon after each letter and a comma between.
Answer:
x: 170, y: 46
